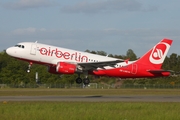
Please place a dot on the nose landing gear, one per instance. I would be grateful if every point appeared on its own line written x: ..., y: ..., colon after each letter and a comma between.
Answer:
x: 29, y: 67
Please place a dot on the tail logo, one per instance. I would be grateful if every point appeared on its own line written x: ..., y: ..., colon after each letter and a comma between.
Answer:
x: 159, y: 53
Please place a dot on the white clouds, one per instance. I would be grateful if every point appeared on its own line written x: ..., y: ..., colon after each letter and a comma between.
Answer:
x: 115, y: 41
x: 27, y: 4
x: 89, y: 34
x: 111, y: 40
x: 118, y: 24
x: 103, y: 6
x: 27, y: 31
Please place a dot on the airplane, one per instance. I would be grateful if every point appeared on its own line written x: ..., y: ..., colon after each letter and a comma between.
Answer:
x: 67, y: 61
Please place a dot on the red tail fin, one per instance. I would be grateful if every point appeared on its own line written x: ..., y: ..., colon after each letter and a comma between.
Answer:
x: 157, y: 54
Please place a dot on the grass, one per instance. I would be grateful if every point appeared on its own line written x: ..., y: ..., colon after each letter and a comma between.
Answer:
x: 89, y: 111
x: 45, y: 92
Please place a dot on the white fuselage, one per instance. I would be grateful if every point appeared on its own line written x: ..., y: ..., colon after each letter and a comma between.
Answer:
x: 51, y: 55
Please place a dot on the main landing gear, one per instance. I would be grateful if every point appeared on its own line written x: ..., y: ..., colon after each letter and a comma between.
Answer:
x: 86, y: 80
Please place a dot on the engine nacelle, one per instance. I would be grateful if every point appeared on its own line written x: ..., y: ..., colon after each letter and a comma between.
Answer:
x: 65, y: 68
x: 52, y: 69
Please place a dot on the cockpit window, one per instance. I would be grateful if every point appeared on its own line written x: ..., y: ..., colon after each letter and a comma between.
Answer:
x: 20, y: 46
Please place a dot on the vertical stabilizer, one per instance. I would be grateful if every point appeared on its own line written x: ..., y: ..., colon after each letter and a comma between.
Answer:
x: 157, y: 54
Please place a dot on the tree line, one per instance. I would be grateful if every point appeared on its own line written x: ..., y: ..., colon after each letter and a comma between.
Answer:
x: 13, y: 71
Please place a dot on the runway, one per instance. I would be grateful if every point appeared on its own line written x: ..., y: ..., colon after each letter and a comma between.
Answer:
x: 123, y: 98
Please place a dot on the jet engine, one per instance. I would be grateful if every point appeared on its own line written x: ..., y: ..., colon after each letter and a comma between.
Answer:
x: 63, y: 68
x: 66, y: 68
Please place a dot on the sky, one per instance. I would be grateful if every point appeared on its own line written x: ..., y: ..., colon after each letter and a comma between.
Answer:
x: 113, y: 26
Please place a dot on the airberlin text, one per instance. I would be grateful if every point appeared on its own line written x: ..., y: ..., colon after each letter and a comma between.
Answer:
x: 63, y: 54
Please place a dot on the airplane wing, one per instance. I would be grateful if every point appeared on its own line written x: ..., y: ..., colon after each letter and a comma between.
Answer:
x: 95, y: 65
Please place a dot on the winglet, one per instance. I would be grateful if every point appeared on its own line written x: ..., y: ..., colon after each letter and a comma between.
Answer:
x: 127, y: 60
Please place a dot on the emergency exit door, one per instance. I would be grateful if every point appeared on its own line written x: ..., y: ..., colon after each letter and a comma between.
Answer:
x: 33, y: 49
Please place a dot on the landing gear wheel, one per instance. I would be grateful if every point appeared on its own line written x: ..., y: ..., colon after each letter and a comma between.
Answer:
x: 86, y: 81
x: 78, y: 80
x: 29, y: 67
x: 28, y: 71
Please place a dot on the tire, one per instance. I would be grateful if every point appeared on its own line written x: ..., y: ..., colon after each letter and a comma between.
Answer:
x: 78, y: 80
x: 86, y: 81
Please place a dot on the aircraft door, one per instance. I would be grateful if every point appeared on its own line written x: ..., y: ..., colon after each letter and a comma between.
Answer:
x: 134, y: 68
x: 33, y: 49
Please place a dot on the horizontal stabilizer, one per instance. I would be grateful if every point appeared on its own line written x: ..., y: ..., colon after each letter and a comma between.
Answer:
x: 159, y: 71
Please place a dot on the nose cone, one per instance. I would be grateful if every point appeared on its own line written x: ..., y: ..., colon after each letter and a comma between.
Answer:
x: 10, y: 51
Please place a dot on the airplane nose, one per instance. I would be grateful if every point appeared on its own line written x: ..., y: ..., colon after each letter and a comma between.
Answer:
x: 9, y: 51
